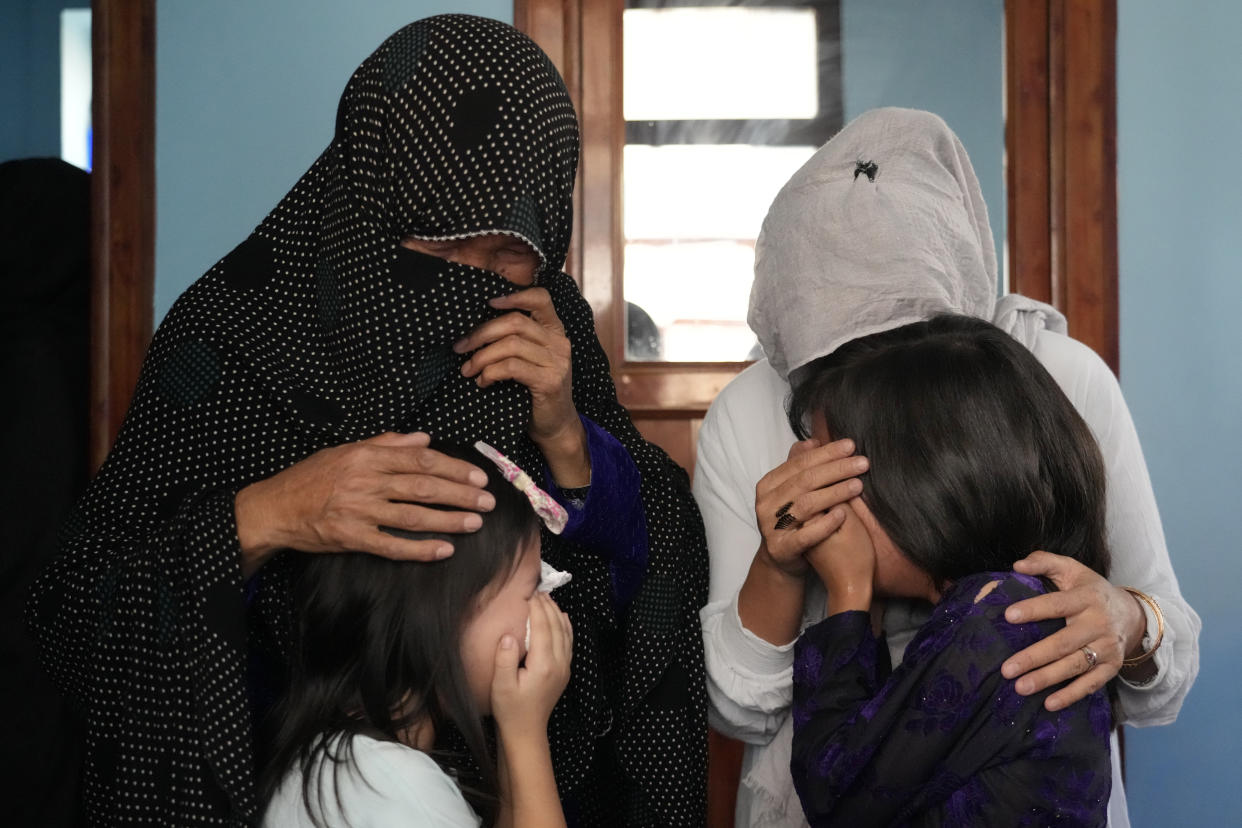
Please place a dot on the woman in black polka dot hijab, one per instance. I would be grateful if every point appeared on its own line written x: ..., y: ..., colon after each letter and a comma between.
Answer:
x: 386, y: 294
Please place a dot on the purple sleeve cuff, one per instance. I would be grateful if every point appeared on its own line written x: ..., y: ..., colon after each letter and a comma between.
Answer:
x: 607, y: 516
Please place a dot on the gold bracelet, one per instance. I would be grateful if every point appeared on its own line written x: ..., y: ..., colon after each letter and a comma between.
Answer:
x: 1155, y: 609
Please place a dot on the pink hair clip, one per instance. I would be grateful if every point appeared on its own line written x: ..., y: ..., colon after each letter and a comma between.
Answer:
x: 550, y: 512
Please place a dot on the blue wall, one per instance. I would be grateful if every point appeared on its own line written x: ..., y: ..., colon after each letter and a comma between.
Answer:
x: 245, y: 100
x: 30, y: 77
x: 1179, y: 130
x: 914, y: 53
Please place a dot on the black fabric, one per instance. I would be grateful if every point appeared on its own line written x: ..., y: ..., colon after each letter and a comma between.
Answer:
x: 321, y: 329
x: 44, y: 352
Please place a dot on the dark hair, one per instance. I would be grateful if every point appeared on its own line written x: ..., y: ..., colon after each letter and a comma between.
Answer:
x: 376, y: 648
x: 977, y: 457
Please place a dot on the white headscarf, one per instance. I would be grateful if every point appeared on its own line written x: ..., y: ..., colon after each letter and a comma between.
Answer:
x: 883, y: 226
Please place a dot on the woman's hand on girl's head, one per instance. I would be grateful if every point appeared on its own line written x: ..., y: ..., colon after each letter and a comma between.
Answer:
x: 1099, y: 616
x: 797, y: 504
x: 338, y: 498
x: 529, y: 346
x: 845, y: 562
x: 523, y: 695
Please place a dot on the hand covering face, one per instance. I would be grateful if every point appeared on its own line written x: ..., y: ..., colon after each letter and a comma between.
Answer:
x: 321, y: 329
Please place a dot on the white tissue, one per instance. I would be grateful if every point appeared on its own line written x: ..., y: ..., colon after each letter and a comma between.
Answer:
x: 549, y: 579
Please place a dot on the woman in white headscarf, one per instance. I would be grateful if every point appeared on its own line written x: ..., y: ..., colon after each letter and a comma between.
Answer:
x: 884, y: 226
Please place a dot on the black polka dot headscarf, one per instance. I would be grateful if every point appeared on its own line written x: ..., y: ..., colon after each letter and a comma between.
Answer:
x: 321, y: 329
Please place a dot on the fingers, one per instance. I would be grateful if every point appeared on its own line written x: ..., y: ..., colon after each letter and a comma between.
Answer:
x: 799, y: 503
x: 536, y: 301
x: 505, y: 674
x: 811, y: 469
x: 375, y: 541
x: 1061, y: 657
x: 544, y: 628
x: 865, y: 516
x: 509, y: 346
x: 510, y: 325
x: 1051, y: 605
x: 1043, y: 654
x: 564, y: 630
x: 1086, y: 684
x: 526, y: 363
x: 414, y: 439
x: 788, y: 546
x: 523, y: 697
x: 803, y: 446
x: 822, y: 500
x: 1064, y: 572
x: 808, y: 492
x: 845, y: 563
x: 412, y: 517
x: 568, y: 627
x: 551, y: 636
x: 538, y: 326
x: 417, y: 488
x: 337, y: 499
x: 1091, y: 624
x: 1085, y: 627
x: 517, y: 348
x: 554, y: 661
x: 424, y: 461
x: 1073, y: 665
x: 803, y: 456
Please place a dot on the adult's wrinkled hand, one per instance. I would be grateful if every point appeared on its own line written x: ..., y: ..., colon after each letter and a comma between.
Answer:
x: 530, y: 348
x: 1097, y: 615
x: 338, y: 498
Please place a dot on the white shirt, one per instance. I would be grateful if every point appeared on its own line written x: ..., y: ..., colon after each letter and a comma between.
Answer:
x: 387, y: 785
x: 749, y: 681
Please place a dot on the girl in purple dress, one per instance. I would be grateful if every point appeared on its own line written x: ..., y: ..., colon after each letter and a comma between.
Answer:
x: 976, y: 460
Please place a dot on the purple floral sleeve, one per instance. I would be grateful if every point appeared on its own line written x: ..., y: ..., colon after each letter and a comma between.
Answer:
x: 944, y: 739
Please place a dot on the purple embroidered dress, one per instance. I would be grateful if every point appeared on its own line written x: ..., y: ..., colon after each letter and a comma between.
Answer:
x: 944, y: 739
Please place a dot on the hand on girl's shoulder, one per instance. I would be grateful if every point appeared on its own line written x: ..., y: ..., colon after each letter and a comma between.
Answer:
x: 972, y: 613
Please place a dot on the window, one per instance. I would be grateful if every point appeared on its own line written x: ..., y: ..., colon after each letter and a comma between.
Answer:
x: 722, y: 104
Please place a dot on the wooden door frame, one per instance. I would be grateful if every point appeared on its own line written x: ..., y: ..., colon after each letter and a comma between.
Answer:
x: 1061, y: 144
x: 122, y: 209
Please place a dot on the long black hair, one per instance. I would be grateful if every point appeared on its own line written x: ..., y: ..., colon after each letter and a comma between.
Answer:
x: 377, y: 649
x: 977, y: 456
